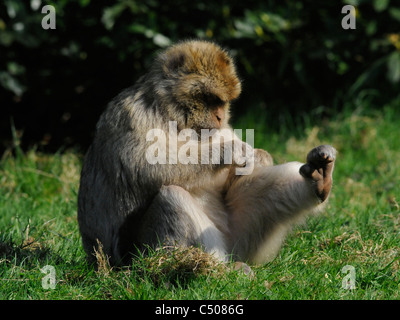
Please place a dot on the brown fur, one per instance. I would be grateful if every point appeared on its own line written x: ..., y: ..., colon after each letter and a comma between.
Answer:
x: 126, y: 203
x: 199, y: 77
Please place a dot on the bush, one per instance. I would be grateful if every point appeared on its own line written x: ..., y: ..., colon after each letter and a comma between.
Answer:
x: 293, y: 56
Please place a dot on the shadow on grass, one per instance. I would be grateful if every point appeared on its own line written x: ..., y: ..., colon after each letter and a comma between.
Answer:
x: 28, y: 254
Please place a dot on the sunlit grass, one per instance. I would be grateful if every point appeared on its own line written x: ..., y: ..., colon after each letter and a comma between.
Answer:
x: 360, y: 228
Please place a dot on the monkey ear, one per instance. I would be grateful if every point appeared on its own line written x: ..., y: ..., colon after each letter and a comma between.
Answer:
x: 174, y: 61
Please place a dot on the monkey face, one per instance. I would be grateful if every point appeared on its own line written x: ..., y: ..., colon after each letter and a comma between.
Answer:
x: 199, y: 81
x: 203, y: 108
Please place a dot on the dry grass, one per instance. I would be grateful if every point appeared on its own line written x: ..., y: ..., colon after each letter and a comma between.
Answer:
x: 103, y: 262
x: 172, y: 264
x: 167, y: 265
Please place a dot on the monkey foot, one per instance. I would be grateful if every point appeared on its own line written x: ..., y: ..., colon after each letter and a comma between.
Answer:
x: 319, y: 168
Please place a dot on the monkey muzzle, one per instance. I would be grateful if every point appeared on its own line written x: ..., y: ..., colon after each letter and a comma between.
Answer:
x: 219, y: 116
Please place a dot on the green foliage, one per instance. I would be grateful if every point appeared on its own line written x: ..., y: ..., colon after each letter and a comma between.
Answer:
x: 257, y: 33
x: 293, y: 56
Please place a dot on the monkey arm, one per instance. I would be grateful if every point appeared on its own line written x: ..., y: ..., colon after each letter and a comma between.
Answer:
x: 187, y: 160
x: 188, y: 172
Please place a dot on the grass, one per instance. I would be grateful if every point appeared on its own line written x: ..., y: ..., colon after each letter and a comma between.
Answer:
x: 360, y: 227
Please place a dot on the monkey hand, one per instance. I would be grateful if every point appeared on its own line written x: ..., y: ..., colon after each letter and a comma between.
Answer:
x: 243, y: 158
x: 262, y: 158
x: 319, y: 168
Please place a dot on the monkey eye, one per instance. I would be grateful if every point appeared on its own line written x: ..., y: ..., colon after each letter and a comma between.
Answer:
x: 213, y: 100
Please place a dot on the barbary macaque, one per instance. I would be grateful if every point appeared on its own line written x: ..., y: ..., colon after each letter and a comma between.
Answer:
x: 152, y: 177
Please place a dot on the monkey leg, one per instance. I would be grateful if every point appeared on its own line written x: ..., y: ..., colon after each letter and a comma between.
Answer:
x: 266, y: 204
x: 261, y: 159
x: 176, y: 218
x: 319, y: 169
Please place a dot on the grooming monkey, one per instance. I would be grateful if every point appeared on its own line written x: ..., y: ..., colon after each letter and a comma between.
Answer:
x: 127, y: 203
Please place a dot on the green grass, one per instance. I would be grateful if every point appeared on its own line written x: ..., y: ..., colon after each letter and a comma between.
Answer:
x: 360, y: 226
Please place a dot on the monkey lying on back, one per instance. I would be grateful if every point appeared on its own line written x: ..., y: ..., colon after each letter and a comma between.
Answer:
x: 127, y: 202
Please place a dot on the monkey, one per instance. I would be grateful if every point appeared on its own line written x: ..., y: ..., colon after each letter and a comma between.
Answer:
x: 129, y: 203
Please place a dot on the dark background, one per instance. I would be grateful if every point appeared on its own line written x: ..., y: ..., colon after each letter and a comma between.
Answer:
x: 294, y: 58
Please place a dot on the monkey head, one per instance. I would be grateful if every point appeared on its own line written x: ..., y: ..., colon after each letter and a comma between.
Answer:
x: 198, y: 83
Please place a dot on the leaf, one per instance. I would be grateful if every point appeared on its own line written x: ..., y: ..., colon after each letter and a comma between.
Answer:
x: 137, y: 28
x: 110, y: 14
x: 395, y: 13
x: 35, y: 4
x: 393, y: 65
x: 14, y: 68
x: 243, y: 29
x: 84, y: 3
x: 381, y: 5
x: 161, y: 40
x: 12, y: 84
x: 12, y: 8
